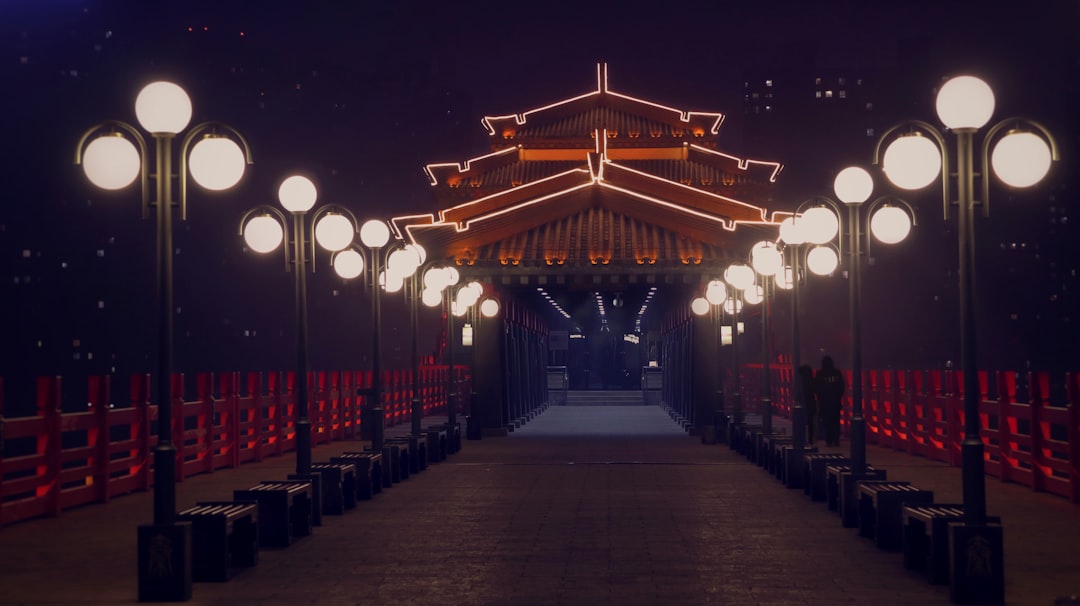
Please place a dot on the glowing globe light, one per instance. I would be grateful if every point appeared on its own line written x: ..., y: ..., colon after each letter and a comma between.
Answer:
x: 392, y: 282
x: 421, y: 254
x: 403, y: 262
x: 452, y: 275
x: 457, y: 309
x: 435, y: 279
x: 853, y: 185
x: 217, y: 163
x: 466, y: 297
x: 489, y: 308
x: 739, y: 275
x: 699, y: 306
x: 911, y: 162
x: 791, y: 231
x: 1021, y: 159
x: 111, y: 162
x: 348, y: 264
x: 715, y: 292
x: 754, y: 295
x: 431, y: 297
x: 820, y: 225
x: 297, y: 194
x: 890, y: 224
x: 163, y: 107
x: 374, y: 233
x: 334, y: 232
x: 766, y: 259
x: 822, y: 260
x: 263, y: 234
x: 965, y: 102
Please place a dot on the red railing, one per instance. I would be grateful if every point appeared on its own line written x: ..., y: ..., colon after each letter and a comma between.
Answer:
x: 57, y: 460
x: 1034, y: 443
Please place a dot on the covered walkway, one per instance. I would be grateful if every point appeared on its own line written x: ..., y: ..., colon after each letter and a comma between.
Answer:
x: 583, y: 505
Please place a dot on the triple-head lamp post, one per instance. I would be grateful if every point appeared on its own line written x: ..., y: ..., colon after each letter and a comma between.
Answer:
x: 113, y: 154
x: 889, y: 220
x: 916, y: 156
x: 264, y: 228
x: 350, y: 263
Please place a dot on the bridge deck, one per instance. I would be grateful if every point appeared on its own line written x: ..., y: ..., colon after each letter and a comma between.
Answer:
x: 584, y: 505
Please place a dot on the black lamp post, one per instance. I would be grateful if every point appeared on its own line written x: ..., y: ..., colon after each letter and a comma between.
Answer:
x: 113, y: 154
x: 917, y: 156
x: 263, y: 229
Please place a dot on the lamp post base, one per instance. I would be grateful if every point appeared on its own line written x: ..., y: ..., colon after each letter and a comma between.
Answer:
x: 165, y: 562
x: 976, y: 563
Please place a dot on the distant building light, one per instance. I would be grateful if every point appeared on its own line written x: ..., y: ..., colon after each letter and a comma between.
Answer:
x: 841, y: 81
x: 26, y: 253
x: 828, y: 94
x: 75, y: 343
x: 100, y: 253
x: 63, y: 265
x: 869, y: 132
x: 817, y: 94
x: 768, y: 83
x: 101, y: 305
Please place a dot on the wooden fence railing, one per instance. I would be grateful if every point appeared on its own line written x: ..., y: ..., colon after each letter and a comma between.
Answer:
x: 56, y: 460
x: 1028, y: 439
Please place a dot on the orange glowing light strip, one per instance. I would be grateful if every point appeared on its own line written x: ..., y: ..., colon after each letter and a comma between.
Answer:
x: 602, y: 87
x: 463, y: 167
x: 744, y: 163
x: 442, y: 213
x: 694, y: 189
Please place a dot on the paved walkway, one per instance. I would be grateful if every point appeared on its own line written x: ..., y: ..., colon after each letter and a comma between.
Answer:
x: 584, y: 505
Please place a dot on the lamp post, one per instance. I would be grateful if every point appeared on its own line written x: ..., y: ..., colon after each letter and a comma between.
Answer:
x: 263, y: 229
x: 793, y: 238
x: 917, y: 155
x: 113, y: 154
x: 437, y: 290
x: 890, y: 220
x: 766, y: 261
x: 739, y: 277
x: 402, y: 264
x: 349, y: 264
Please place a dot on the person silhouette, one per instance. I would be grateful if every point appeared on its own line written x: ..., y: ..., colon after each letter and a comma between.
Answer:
x: 829, y: 388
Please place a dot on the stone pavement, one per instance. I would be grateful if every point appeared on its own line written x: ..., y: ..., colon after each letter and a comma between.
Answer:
x: 584, y: 505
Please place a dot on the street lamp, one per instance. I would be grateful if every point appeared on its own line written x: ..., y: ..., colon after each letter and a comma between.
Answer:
x: 438, y: 283
x: 766, y: 261
x: 740, y: 277
x: 918, y: 155
x: 349, y: 264
x: 113, y: 154
x: 406, y: 262
x: 793, y: 236
x: 263, y: 229
x: 820, y: 223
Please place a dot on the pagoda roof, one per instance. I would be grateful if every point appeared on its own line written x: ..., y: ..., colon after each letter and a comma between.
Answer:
x: 598, y: 178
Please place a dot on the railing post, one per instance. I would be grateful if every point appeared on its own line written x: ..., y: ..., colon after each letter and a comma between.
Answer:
x: 229, y: 385
x: 954, y: 410
x: 1072, y: 387
x: 1038, y: 384
x: 140, y: 401
x: 1006, y: 388
x: 48, y: 443
x: 206, y: 435
x: 255, y: 392
x: 179, y: 439
x: 98, y: 390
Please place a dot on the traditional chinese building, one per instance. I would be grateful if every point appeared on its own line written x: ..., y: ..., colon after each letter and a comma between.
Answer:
x: 602, y: 199
x: 601, y: 183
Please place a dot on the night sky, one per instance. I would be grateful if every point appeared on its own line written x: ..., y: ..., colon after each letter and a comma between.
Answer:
x: 363, y: 94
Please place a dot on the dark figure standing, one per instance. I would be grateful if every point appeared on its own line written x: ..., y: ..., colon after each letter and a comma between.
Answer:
x: 829, y: 385
x: 809, y: 395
